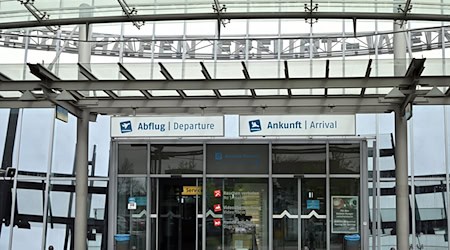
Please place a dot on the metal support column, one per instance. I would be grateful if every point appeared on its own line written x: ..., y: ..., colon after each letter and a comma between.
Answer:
x: 81, y: 157
x: 401, y: 181
x: 399, y: 47
x: 401, y: 146
x: 84, y: 47
x: 81, y: 188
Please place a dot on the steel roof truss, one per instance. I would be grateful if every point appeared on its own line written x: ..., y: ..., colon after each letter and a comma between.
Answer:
x: 40, y: 16
x: 413, y: 74
x: 130, y: 77
x: 286, y: 76
x: 91, y: 77
x: 208, y: 77
x: 169, y: 77
x: 405, y: 11
x: 4, y: 78
x: 367, y: 75
x: 86, y: 73
x: 226, y: 84
x: 42, y: 73
x: 228, y: 16
x: 327, y: 74
x: 130, y: 12
x: 247, y: 76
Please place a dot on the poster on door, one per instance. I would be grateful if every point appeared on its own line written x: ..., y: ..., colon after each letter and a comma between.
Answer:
x: 344, y: 215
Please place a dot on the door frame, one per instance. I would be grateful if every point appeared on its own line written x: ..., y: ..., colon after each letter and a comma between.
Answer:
x: 157, y: 210
x: 363, y: 177
x: 299, y: 205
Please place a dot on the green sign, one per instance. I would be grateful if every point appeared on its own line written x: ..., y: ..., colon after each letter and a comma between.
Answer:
x: 344, y: 215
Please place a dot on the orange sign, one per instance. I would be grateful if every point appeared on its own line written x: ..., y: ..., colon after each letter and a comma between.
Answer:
x: 192, y: 190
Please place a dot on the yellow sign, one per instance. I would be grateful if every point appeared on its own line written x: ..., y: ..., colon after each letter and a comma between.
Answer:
x: 192, y: 190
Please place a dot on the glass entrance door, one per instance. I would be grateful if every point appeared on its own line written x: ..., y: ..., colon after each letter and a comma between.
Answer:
x: 179, y: 203
x: 299, y: 214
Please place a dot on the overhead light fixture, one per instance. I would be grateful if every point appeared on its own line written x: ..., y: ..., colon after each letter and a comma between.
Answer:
x: 27, y: 96
x: 395, y: 93
x: 435, y: 92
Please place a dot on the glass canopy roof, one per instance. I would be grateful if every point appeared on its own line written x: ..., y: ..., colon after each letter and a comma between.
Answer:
x: 115, y: 88
x: 31, y: 10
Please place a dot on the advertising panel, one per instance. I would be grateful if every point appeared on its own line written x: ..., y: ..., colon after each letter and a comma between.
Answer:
x: 156, y: 126
x: 296, y: 125
x: 344, y: 214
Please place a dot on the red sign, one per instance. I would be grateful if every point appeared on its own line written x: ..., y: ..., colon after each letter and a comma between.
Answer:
x: 217, y: 208
x: 217, y: 193
x: 217, y: 222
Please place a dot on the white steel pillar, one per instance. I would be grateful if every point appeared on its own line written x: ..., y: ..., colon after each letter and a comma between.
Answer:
x: 401, y: 146
x: 81, y: 157
x: 81, y: 188
x: 84, y: 47
x: 401, y: 181
x: 399, y: 47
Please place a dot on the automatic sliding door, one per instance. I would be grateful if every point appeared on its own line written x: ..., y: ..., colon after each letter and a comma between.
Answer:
x: 313, y: 214
x: 179, y: 202
x: 285, y: 214
x: 312, y: 206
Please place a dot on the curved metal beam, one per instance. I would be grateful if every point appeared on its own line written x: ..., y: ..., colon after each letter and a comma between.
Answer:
x: 236, y: 15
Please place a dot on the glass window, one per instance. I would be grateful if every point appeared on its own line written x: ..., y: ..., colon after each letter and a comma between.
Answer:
x: 299, y: 159
x: 237, y: 159
x: 176, y: 159
x: 431, y: 215
x: 345, y: 158
x: 35, y: 140
x: 62, y: 205
x: 345, y: 213
x: 237, y: 214
x: 313, y: 213
x: 179, y: 202
x: 285, y: 206
x: 132, y: 159
x: 132, y: 210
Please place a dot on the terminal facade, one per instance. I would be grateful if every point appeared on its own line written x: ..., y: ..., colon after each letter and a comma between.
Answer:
x: 238, y: 126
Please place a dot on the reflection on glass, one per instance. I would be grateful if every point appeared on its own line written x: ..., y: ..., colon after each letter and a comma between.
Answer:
x: 345, y: 158
x: 179, y: 201
x: 285, y: 200
x: 22, y: 236
x: 176, y: 159
x: 431, y: 216
x: 132, y: 159
x: 237, y: 214
x: 313, y: 207
x: 345, y: 213
x: 132, y: 210
x: 153, y: 234
x: 237, y: 159
x: 298, y: 159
